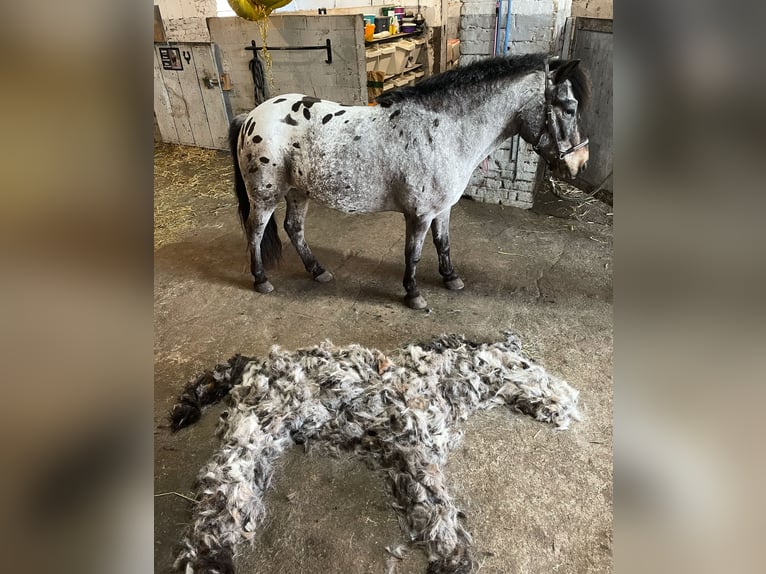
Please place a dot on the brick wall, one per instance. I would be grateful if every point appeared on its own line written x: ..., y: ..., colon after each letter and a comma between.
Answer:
x: 184, y: 20
x: 536, y: 26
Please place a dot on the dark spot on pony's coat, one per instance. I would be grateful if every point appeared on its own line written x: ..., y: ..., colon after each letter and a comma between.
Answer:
x: 436, y: 123
x: 348, y: 187
x: 340, y: 113
x: 327, y: 118
x: 401, y: 133
x: 430, y: 139
x: 289, y: 120
x: 296, y: 145
x: 250, y: 129
x: 309, y: 101
x: 345, y: 122
x: 306, y: 113
x: 280, y: 100
x: 257, y: 139
x: 300, y: 172
x: 407, y: 146
x: 373, y: 119
x: 249, y: 157
x: 385, y: 104
x: 264, y: 160
x: 357, y: 138
x: 296, y: 106
x: 396, y: 113
x: 268, y: 185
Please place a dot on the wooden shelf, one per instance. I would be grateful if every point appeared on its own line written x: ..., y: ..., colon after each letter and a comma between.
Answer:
x: 394, y: 37
x: 410, y: 69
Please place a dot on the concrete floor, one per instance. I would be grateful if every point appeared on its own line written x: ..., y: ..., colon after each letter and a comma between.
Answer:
x: 536, y: 500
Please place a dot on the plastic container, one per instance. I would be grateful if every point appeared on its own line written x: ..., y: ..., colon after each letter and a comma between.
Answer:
x: 381, y: 24
x: 418, y: 74
x: 369, y: 18
x: 404, y: 49
x: 401, y: 82
x: 373, y: 56
x: 409, y: 78
x: 386, y: 59
x: 418, y: 47
x: 369, y: 31
x: 408, y: 27
x: 389, y: 85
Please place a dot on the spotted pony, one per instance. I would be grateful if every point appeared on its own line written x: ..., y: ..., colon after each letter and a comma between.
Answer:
x: 351, y: 158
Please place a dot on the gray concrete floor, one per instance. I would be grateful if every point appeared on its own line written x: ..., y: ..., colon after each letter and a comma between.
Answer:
x: 536, y: 500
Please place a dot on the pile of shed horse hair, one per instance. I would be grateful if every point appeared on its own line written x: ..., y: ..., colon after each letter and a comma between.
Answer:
x: 398, y: 410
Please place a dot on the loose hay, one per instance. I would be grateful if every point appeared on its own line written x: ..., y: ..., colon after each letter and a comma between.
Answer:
x: 399, y: 411
x: 183, y: 174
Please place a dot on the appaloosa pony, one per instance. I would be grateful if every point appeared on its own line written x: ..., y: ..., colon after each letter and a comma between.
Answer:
x: 360, y: 159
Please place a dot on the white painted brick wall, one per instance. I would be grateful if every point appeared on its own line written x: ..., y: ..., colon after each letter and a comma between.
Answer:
x: 536, y: 26
x: 184, y: 20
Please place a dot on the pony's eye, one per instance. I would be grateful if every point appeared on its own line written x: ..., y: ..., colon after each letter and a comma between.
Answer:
x: 569, y: 112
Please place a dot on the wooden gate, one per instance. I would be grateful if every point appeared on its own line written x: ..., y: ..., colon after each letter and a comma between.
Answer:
x: 189, y: 103
x: 592, y: 42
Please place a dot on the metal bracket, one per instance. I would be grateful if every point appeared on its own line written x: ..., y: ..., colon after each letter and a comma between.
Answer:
x: 327, y: 46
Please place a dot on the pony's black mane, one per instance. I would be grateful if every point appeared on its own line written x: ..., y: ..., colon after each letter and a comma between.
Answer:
x: 485, y: 71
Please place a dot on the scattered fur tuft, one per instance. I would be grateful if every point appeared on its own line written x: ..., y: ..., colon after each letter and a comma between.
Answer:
x: 400, y: 411
x: 207, y: 389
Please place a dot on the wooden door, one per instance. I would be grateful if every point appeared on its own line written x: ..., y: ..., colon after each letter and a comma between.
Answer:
x: 188, y: 100
x: 592, y: 42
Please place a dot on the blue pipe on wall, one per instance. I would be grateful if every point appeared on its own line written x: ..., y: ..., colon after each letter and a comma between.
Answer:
x: 507, y: 29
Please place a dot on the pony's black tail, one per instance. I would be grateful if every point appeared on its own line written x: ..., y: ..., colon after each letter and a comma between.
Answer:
x: 239, y: 183
x: 207, y: 389
x: 271, y: 244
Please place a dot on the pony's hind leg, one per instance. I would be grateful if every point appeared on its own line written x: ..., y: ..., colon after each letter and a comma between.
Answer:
x: 440, y: 233
x: 417, y: 227
x: 262, y: 242
x: 428, y: 514
x: 297, y: 206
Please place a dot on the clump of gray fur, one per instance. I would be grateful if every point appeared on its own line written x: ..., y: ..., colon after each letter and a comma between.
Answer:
x: 398, y: 410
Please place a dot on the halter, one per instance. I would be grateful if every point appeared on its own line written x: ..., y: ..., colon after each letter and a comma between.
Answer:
x: 548, y: 120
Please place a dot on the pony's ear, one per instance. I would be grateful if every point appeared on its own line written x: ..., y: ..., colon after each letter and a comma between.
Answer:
x: 562, y: 69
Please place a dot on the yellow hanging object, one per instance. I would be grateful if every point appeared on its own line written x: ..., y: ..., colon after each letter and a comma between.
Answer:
x: 256, y: 9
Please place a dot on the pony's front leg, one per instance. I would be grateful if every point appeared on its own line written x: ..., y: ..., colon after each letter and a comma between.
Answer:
x: 417, y: 227
x: 440, y: 233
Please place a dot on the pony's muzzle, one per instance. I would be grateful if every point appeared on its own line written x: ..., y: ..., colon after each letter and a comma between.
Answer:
x: 577, y: 161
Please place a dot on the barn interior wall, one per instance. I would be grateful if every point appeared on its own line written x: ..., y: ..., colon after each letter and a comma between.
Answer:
x: 593, y: 8
x: 184, y: 20
x: 510, y: 176
x: 300, y: 71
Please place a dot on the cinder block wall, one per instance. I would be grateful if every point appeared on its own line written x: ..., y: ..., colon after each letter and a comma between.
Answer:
x: 536, y: 26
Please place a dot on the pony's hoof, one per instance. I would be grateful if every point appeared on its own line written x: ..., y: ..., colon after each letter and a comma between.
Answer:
x: 324, y: 277
x: 455, y: 284
x: 264, y: 287
x: 415, y: 302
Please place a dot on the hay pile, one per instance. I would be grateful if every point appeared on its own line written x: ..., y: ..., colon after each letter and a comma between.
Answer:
x: 185, y: 180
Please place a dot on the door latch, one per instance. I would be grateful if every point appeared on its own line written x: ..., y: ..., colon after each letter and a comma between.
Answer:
x: 224, y: 82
